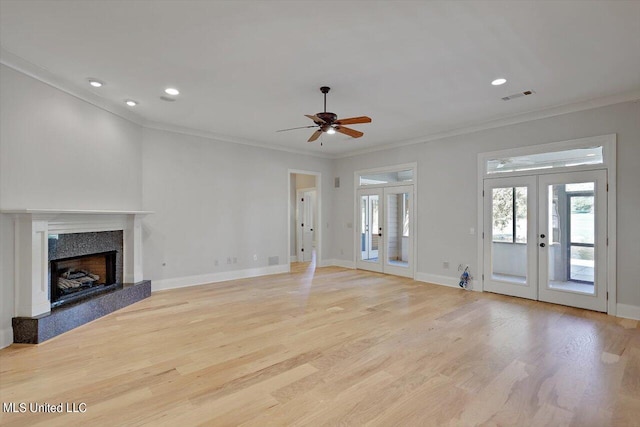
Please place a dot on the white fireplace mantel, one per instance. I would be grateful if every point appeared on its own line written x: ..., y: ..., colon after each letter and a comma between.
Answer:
x: 32, y: 229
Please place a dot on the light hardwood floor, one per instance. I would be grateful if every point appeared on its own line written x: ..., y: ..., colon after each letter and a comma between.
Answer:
x: 333, y: 347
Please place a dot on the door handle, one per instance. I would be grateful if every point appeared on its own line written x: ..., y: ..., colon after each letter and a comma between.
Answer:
x: 542, y: 236
x: 542, y: 245
x: 380, y: 232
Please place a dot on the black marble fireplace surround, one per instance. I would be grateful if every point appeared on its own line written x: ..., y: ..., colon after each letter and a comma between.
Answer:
x: 76, y: 308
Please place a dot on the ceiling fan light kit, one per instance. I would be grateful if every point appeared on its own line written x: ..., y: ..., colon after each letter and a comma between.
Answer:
x: 328, y: 122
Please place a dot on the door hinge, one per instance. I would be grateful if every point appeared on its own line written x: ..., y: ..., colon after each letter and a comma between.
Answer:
x: 607, y: 241
x: 483, y: 234
x: 483, y: 277
x: 607, y: 186
x: 607, y: 296
x: 482, y: 193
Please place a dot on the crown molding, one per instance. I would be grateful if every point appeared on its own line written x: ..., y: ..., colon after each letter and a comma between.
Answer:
x: 34, y: 71
x: 506, y: 121
x: 45, y: 76
x: 225, y: 138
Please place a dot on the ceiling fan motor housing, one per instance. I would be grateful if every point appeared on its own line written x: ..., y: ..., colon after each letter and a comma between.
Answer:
x: 327, y: 117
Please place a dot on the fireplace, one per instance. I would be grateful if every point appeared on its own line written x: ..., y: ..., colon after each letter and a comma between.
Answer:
x: 73, y: 245
x: 82, y: 276
x: 83, y: 265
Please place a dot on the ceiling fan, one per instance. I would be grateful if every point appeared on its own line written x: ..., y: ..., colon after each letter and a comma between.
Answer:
x: 330, y: 123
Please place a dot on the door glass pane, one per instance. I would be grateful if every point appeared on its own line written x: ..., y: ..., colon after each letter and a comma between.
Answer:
x: 397, y: 224
x: 509, y: 234
x: 369, y: 223
x: 572, y: 248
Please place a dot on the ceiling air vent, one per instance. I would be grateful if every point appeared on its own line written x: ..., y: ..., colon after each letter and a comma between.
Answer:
x: 518, y: 95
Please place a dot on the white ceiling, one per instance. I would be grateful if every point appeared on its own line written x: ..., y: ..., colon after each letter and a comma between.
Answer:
x: 248, y: 68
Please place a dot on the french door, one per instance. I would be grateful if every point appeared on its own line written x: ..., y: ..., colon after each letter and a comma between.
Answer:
x: 385, y: 230
x: 545, y: 238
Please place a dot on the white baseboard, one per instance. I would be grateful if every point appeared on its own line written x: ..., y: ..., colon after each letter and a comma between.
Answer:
x: 338, y: 263
x: 293, y: 258
x: 628, y: 311
x: 6, y: 337
x: 203, y: 279
x: 436, y: 279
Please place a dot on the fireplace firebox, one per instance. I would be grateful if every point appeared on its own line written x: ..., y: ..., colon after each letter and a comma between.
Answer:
x: 82, y: 276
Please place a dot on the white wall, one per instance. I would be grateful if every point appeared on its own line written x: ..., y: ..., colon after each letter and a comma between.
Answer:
x: 214, y: 200
x: 59, y: 152
x: 446, y: 208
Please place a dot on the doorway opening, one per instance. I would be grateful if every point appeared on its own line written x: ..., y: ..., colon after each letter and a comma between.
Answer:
x: 304, y: 220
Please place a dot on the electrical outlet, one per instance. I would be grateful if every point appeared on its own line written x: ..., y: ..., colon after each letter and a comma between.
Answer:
x: 164, y: 264
x: 255, y: 257
x: 445, y: 265
x: 228, y: 260
x: 215, y: 262
x: 460, y: 267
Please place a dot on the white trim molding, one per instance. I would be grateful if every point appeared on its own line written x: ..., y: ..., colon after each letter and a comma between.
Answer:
x: 224, y: 276
x: 628, y: 311
x: 6, y: 337
x: 436, y: 279
x: 338, y: 263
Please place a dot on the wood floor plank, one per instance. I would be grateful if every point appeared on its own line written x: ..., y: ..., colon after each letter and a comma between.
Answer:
x: 332, y: 346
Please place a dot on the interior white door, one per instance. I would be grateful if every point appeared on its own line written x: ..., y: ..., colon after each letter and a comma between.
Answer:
x: 572, y: 249
x: 370, y: 234
x: 306, y: 220
x: 510, y: 264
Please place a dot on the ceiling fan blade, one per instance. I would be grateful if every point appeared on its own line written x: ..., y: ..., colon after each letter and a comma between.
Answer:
x: 315, y: 135
x: 315, y: 118
x: 347, y: 131
x: 301, y: 127
x: 353, y: 120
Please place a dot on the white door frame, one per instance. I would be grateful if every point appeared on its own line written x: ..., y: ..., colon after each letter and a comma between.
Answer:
x: 319, y: 227
x: 608, y: 143
x: 356, y: 186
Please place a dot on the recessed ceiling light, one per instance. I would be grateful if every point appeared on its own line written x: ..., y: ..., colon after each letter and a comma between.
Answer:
x: 172, y: 91
x: 498, y: 82
x: 131, y: 102
x: 96, y: 83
